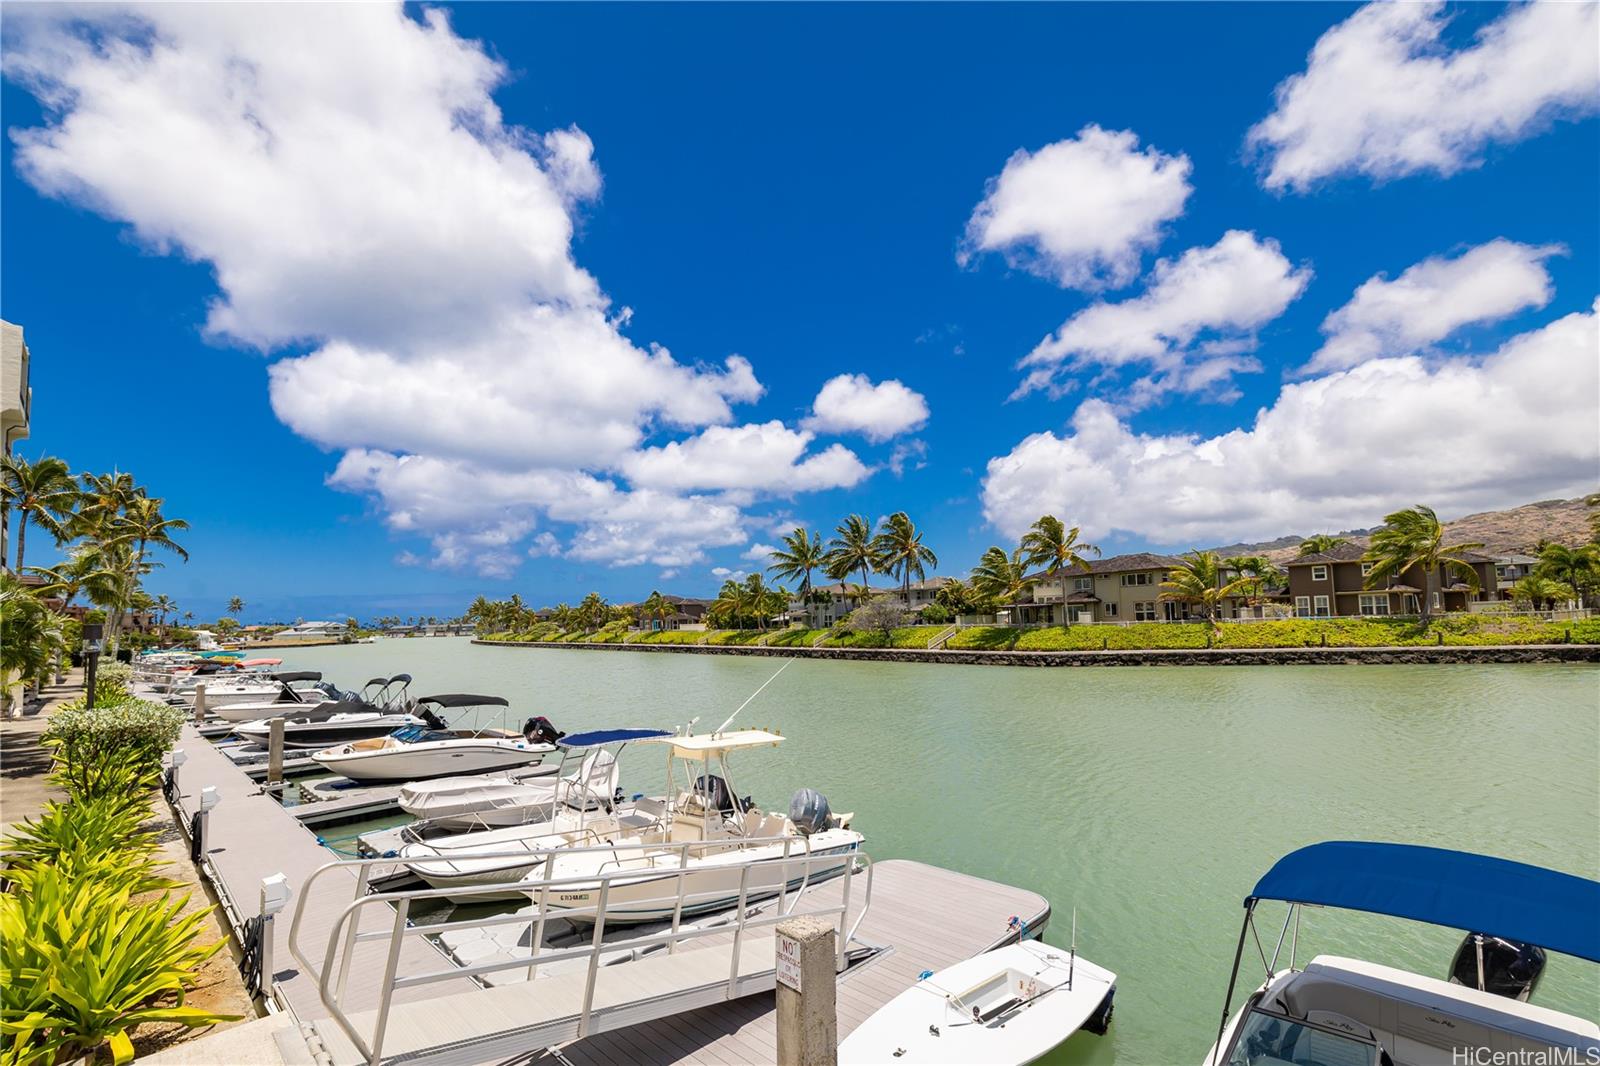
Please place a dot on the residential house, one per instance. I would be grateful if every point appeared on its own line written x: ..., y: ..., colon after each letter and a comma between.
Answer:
x: 1121, y: 588
x: 16, y: 408
x: 1332, y: 584
x: 314, y: 629
x: 1509, y: 569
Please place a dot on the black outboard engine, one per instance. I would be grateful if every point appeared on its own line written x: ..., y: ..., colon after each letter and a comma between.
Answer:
x: 538, y: 730
x: 808, y: 810
x: 1508, y: 967
x: 715, y: 791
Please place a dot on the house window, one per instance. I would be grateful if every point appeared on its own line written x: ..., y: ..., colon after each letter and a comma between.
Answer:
x: 1302, y: 606
x: 1111, y: 610
x: 1144, y: 612
x: 1137, y: 579
x: 1322, y: 607
x: 1319, y: 573
x: 1375, y: 605
x: 1366, y: 569
x: 1084, y: 584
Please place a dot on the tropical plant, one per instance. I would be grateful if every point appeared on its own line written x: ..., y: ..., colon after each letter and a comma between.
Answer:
x: 85, y: 740
x: 957, y: 597
x: 853, y: 549
x: 1576, y: 568
x: 43, y: 492
x: 33, y: 639
x: 1198, y: 582
x: 901, y: 552
x: 657, y: 608
x: 92, y: 836
x: 801, y: 555
x: 82, y: 962
x: 1258, y: 570
x: 1414, y: 537
x: 235, y: 605
x: 1321, y: 542
x: 998, y: 577
x: 1051, y: 545
x: 1536, y: 591
x: 880, y: 616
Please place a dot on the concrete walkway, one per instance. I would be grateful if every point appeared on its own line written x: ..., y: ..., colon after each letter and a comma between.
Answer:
x: 24, y: 762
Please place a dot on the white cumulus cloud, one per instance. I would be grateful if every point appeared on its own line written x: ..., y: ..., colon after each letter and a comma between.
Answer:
x: 768, y: 457
x: 851, y: 403
x: 1381, y: 95
x: 1462, y: 434
x: 1433, y: 299
x: 1191, y: 328
x: 1080, y: 211
x: 347, y: 175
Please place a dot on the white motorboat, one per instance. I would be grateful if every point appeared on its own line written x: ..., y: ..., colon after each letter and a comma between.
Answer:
x: 379, y: 694
x: 436, y: 749
x: 253, y: 691
x: 330, y: 723
x: 1005, y: 1007
x: 703, y: 835
x: 516, y: 798
x: 1347, y: 1012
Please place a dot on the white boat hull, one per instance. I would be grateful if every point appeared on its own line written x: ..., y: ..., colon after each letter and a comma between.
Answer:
x: 259, y: 709
x: 1030, y: 998
x: 711, y: 882
x: 478, y: 801
x: 443, y: 758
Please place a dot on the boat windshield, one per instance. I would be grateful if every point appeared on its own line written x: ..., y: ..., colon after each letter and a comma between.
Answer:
x: 1270, y: 1039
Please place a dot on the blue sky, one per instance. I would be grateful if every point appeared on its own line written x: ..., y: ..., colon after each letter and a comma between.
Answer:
x: 462, y: 405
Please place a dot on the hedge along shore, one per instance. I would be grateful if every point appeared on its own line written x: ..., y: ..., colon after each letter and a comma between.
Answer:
x: 1447, y: 653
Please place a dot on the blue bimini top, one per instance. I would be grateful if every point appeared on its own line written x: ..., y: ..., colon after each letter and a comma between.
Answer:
x: 1456, y: 889
x: 595, y: 738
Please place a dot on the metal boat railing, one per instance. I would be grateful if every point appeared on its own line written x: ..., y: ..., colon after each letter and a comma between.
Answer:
x: 333, y: 972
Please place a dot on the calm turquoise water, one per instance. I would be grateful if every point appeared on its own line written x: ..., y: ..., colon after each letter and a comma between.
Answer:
x: 1148, y: 798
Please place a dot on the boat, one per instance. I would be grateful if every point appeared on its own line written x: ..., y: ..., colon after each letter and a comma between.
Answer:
x: 333, y: 722
x: 271, y: 697
x: 1005, y: 1007
x: 1348, y: 1012
x: 438, y: 749
x: 516, y: 798
x: 700, y: 832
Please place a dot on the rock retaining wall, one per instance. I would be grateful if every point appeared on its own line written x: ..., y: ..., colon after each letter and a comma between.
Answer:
x: 1449, y: 653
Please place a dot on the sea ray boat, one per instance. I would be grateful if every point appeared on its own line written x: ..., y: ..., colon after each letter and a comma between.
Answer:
x: 438, y: 748
x: 462, y: 804
x: 1004, y: 1007
x: 702, y: 834
x: 333, y: 722
x: 1347, y: 1012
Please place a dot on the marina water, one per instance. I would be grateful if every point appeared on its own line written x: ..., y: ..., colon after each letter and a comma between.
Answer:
x: 1149, y: 799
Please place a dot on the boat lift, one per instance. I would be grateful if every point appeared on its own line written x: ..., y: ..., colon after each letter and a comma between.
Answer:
x: 682, y: 968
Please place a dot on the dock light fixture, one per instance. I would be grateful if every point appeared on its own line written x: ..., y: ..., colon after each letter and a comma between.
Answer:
x: 275, y: 894
x: 93, y: 644
x: 179, y: 757
x: 209, y: 798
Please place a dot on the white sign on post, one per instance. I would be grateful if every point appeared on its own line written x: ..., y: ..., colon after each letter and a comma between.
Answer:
x: 789, y: 961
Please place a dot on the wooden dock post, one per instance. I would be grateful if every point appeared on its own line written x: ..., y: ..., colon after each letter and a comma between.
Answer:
x: 808, y: 1022
x: 275, y: 752
x: 200, y: 704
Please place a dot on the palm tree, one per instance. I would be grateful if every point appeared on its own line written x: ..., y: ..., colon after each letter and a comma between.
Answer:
x: 164, y: 606
x: 657, y: 607
x: 801, y: 554
x: 44, y: 491
x: 853, y: 549
x: 1534, y: 590
x: 1050, y: 544
x: 901, y: 552
x: 728, y: 608
x: 1258, y: 569
x: 1321, y: 542
x: 235, y: 605
x: 1415, y: 538
x: 758, y: 598
x: 1577, y: 568
x: 81, y: 571
x: 144, y: 527
x: 1199, y: 581
x: 1000, y: 577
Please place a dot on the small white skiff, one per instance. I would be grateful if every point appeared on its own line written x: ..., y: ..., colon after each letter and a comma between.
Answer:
x: 1008, y: 1006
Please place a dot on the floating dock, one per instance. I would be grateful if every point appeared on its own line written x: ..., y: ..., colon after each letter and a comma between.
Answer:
x: 679, y: 1007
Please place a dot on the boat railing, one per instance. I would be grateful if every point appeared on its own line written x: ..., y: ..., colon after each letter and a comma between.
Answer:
x: 332, y: 969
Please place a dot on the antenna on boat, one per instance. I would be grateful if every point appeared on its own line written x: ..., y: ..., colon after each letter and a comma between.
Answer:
x: 788, y: 663
x: 1072, y: 959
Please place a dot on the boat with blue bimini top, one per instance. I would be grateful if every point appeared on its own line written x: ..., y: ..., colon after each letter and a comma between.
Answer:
x: 439, y: 748
x: 1347, y: 1012
x: 720, y: 848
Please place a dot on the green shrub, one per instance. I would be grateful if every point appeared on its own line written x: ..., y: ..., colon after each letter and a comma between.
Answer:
x: 127, y: 737
x: 82, y: 962
x: 104, y: 837
x: 739, y: 636
x: 985, y: 638
x: 671, y: 636
x: 796, y: 637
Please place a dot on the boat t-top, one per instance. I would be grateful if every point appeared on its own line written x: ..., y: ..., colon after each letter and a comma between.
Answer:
x: 1347, y: 1012
x: 440, y: 748
x: 699, y: 833
x: 379, y: 709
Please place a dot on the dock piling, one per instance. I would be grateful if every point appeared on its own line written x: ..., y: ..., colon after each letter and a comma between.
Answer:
x: 275, y: 752
x: 200, y: 703
x: 808, y: 1023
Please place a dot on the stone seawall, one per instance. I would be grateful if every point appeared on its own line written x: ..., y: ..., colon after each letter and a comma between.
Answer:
x: 1449, y: 653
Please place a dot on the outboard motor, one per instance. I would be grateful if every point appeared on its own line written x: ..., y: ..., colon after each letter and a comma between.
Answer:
x: 1508, y: 967
x: 538, y: 730
x: 808, y: 810
x: 715, y: 791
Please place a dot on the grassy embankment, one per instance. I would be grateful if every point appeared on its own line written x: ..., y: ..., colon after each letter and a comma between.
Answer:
x: 1147, y: 636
